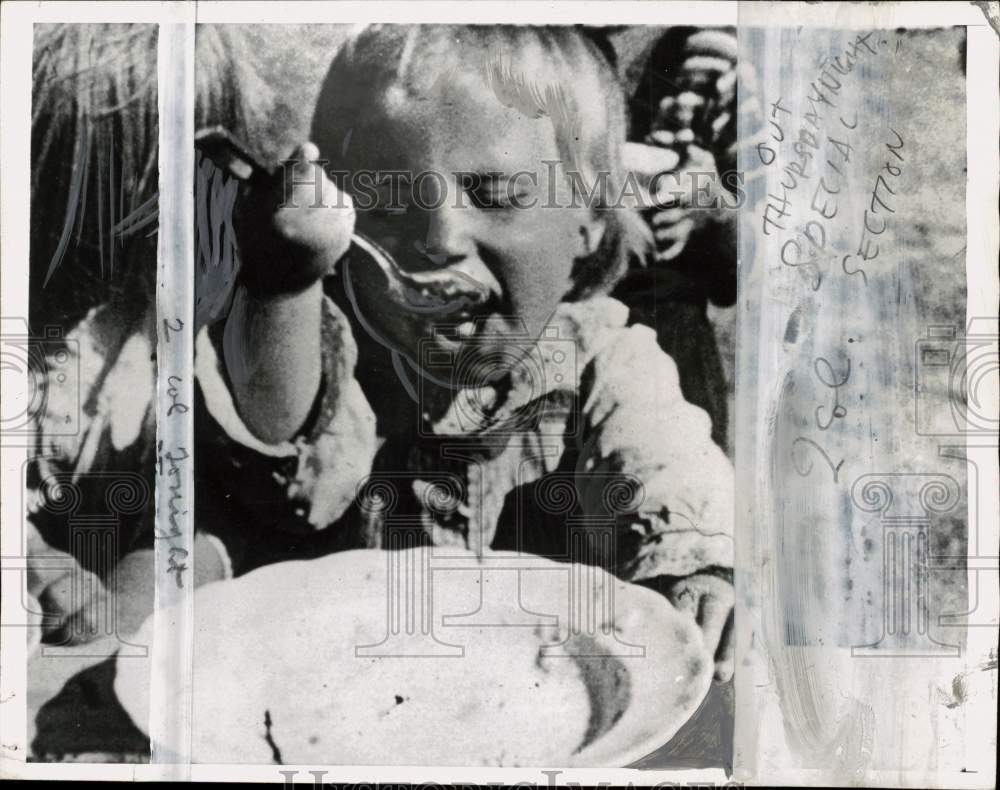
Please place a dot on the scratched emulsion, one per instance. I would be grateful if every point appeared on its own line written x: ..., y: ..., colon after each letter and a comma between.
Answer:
x: 852, y: 248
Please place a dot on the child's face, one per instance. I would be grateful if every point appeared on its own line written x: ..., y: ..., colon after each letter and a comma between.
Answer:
x: 521, y: 256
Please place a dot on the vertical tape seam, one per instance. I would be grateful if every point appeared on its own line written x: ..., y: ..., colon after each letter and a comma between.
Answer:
x: 171, y: 665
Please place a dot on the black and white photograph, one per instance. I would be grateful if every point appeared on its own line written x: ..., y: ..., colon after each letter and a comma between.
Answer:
x: 454, y: 394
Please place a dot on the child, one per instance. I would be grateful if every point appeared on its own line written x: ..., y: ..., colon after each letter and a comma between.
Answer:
x: 92, y: 276
x: 686, y: 101
x: 503, y: 273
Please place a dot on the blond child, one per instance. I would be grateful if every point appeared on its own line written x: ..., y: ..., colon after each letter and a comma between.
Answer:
x: 325, y: 370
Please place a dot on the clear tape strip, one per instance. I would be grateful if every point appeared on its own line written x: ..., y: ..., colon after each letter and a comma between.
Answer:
x: 171, y: 672
x: 836, y: 686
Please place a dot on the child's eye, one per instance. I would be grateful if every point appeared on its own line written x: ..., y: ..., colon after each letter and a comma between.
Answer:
x: 489, y: 201
x: 495, y: 193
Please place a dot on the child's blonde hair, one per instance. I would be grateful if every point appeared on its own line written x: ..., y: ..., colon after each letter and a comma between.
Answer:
x: 558, y: 72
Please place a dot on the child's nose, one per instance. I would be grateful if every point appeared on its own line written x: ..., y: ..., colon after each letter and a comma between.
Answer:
x: 449, y: 236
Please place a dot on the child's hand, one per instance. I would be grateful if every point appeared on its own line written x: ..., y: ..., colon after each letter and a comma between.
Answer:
x: 703, y: 111
x: 710, y: 600
x: 70, y: 596
x: 696, y: 203
x: 288, y: 239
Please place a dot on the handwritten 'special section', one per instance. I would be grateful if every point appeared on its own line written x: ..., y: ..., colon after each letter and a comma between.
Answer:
x: 833, y: 474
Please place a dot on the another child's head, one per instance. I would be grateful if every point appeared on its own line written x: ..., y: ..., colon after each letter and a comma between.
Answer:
x: 487, y: 123
x: 94, y: 161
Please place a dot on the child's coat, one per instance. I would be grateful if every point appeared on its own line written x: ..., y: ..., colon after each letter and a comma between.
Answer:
x: 614, y: 451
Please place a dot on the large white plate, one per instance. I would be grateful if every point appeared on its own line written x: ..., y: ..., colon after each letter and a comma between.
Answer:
x: 501, y: 660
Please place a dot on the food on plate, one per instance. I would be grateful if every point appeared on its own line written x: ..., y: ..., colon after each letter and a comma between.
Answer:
x: 327, y: 662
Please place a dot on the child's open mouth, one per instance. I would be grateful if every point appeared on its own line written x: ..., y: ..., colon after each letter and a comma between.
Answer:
x: 440, y: 291
x: 446, y: 303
